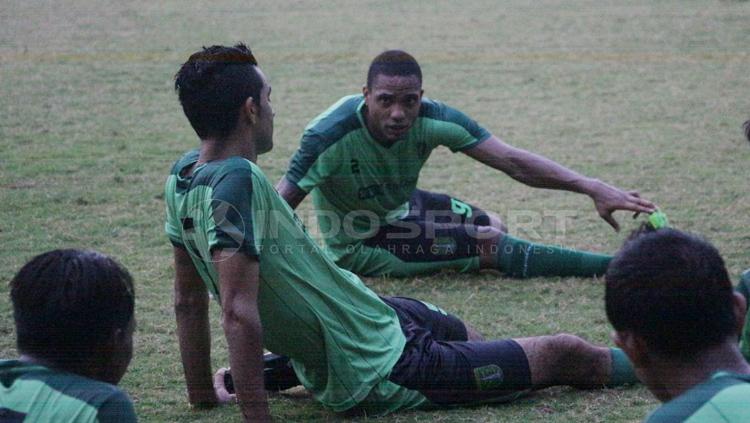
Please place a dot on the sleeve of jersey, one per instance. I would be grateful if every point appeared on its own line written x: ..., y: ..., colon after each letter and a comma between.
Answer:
x: 116, y: 409
x: 308, y: 168
x: 172, y: 224
x: 458, y: 131
x: 231, y: 208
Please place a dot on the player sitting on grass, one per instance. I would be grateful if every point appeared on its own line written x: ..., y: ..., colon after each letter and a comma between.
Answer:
x: 744, y: 288
x: 74, y: 321
x: 236, y: 238
x: 671, y: 303
x: 361, y: 160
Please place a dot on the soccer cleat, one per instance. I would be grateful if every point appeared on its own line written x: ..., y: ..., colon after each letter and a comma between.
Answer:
x: 278, y: 374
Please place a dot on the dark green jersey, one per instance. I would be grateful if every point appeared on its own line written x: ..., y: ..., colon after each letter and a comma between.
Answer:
x: 343, y: 340
x: 722, y: 398
x: 39, y: 394
x: 358, y: 183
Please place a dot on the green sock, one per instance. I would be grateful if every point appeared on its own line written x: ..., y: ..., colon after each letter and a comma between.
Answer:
x: 523, y: 259
x: 622, y: 369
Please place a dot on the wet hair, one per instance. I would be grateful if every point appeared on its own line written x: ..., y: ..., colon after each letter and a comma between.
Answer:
x: 393, y: 63
x: 673, y: 290
x: 67, y: 302
x: 212, y: 86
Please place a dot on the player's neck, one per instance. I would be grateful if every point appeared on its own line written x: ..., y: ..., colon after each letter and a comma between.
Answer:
x: 676, y: 377
x: 236, y: 144
x: 89, y: 370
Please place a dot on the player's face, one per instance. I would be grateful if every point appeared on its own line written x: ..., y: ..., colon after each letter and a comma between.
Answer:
x: 392, y: 106
x: 264, y: 134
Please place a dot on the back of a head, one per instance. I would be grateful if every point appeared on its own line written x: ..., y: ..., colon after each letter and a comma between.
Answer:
x: 67, y: 302
x: 393, y: 63
x: 213, y: 84
x: 673, y: 290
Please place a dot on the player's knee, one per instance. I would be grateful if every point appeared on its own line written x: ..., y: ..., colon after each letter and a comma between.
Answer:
x: 565, y: 348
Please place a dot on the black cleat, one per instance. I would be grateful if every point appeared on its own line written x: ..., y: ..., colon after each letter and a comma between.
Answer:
x: 278, y: 374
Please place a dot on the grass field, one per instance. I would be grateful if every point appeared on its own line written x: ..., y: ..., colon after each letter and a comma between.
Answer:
x: 646, y: 95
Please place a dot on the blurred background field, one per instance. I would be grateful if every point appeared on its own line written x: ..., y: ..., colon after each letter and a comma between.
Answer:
x: 645, y: 95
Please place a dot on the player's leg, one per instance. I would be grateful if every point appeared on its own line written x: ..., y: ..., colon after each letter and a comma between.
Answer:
x: 442, y: 208
x: 565, y: 359
x: 492, y: 371
x: 487, y: 235
x: 442, y: 325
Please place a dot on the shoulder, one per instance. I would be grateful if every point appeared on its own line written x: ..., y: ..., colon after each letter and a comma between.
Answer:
x: 333, y: 124
x: 437, y: 110
x: 188, y: 158
x: 92, y: 392
x: 706, y: 398
x: 234, y: 170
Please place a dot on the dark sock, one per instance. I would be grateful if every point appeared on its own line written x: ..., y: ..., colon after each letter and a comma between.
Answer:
x: 523, y: 259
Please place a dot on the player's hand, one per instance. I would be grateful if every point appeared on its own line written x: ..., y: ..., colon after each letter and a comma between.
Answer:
x: 609, y: 199
x: 222, y: 395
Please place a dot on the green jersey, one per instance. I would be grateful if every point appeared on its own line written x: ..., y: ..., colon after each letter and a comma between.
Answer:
x: 357, y: 183
x: 722, y: 398
x: 342, y: 339
x: 34, y: 393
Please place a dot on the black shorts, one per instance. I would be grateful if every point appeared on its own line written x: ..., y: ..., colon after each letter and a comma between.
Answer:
x: 437, y: 228
x: 440, y: 362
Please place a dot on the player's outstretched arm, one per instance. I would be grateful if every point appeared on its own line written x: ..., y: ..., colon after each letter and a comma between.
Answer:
x: 193, y: 330
x: 239, y: 281
x: 290, y: 192
x: 540, y: 172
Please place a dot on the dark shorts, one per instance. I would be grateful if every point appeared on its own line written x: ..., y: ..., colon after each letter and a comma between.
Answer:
x: 437, y: 228
x: 440, y: 362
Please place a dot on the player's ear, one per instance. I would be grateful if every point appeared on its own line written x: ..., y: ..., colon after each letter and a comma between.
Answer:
x: 632, y: 345
x: 250, y: 110
x: 365, y: 91
x: 740, y: 311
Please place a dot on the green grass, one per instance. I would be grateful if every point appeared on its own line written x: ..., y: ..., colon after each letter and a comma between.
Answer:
x: 646, y: 95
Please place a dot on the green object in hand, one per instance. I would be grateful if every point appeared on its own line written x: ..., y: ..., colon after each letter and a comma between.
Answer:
x: 658, y: 220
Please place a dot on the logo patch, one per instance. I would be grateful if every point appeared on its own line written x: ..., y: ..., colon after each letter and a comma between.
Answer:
x: 489, y: 377
x: 460, y: 208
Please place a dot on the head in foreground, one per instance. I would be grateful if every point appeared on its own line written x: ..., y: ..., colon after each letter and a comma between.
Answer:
x: 674, y: 311
x: 73, y: 311
x: 393, y: 95
x: 226, y: 97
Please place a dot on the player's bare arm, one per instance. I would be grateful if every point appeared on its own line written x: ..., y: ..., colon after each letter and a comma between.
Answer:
x: 193, y: 330
x: 239, y: 281
x: 540, y: 172
x: 290, y: 192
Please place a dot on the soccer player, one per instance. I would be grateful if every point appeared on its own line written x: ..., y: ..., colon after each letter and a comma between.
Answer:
x: 74, y: 321
x: 234, y: 237
x: 361, y: 160
x: 675, y: 314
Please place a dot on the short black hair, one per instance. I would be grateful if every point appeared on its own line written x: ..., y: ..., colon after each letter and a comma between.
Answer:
x: 746, y: 125
x: 67, y: 302
x: 672, y: 289
x: 213, y: 84
x: 393, y: 63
